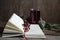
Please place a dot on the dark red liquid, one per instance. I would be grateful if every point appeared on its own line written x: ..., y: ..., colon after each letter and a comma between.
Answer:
x: 34, y: 17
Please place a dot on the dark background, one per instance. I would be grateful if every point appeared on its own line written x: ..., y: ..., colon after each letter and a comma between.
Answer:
x: 50, y: 9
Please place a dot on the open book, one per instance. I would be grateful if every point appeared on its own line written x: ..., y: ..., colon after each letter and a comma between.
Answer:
x: 14, y: 27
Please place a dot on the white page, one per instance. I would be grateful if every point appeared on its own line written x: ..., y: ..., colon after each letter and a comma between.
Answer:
x: 17, y: 21
x: 10, y: 31
x: 35, y: 32
x: 11, y: 27
x: 11, y: 35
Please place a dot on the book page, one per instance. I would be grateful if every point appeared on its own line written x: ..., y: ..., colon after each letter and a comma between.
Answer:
x: 16, y: 22
x: 35, y: 32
